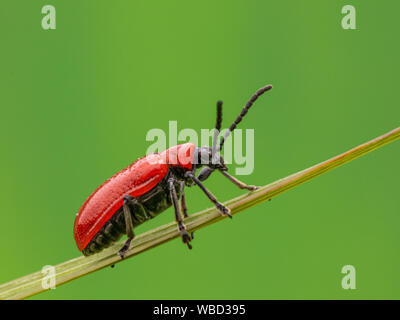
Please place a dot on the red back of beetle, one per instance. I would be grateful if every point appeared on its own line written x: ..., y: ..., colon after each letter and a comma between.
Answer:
x: 135, y: 180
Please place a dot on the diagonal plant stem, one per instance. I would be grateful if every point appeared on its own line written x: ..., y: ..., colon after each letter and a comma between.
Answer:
x: 32, y: 284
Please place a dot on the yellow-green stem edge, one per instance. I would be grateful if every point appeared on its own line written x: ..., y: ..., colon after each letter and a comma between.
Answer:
x: 32, y: 284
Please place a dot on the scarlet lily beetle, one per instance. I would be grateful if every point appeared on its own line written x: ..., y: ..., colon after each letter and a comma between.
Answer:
x: 149, y: 186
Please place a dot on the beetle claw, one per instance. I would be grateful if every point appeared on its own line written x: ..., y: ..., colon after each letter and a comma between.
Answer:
x: 186, y: 238
x: 225, y: 211
x: 252, y: 188
x: 125, y: 248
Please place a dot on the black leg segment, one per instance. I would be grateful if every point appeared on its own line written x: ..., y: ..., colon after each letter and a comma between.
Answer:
x: 183, y: 199
x: 224, y: 210
x: 128, y: 213
x: 178, y: 218
x: 183, y: 204
x: 237, y: 182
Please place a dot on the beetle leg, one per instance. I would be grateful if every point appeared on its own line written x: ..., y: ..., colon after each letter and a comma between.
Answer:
x: 224, y: 210
x: 140, y: 215
x: 128, y: 212
x: 178, y: 218
x: 183, y: 200
x: 237, y: 182
x: 183, y: 204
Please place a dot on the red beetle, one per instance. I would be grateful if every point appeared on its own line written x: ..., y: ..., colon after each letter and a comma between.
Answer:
x: 149, y: 186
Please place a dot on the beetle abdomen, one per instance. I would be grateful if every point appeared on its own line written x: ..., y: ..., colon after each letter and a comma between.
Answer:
x: 137, y: 179
x: 111, y: 232
x: 153, y: 202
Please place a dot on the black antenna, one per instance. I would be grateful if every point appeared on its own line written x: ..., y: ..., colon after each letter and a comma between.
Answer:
x: 246, y: 108
x: 219, y: 115
x: 217, y: 127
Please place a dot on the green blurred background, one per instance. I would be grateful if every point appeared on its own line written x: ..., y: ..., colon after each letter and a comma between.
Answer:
x: 77, y: 102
